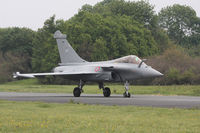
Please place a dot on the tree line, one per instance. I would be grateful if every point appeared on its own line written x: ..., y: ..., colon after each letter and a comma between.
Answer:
x: 108, y: 30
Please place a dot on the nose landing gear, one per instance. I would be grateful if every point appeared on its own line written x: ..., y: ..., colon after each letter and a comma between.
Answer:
x: 126, y: 93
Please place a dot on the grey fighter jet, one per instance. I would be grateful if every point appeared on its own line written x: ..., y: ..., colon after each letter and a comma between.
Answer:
x: 73, y: 67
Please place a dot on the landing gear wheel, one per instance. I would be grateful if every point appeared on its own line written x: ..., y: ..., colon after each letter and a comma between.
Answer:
x: 127, y: 94
x: 77, y: 92
x: 106, y: 92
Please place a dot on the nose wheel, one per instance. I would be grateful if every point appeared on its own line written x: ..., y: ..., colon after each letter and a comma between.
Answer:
x: 126, y: 93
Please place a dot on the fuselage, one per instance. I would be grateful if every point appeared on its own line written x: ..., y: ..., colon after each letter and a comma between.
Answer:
x: 108, y: 71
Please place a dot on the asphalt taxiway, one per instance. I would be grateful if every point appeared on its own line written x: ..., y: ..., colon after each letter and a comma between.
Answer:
x: 135, y: 100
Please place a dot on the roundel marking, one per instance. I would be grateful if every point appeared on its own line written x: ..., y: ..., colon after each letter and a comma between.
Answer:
x: 97, y: 68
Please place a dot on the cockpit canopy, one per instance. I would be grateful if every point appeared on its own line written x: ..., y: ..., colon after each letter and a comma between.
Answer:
x: 128, y: 59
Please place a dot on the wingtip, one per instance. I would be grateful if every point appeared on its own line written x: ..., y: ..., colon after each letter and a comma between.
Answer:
x: 15, y: 74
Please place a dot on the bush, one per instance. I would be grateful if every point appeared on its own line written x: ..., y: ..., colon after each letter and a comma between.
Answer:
x: 173, y: 76
x: 177, y: 66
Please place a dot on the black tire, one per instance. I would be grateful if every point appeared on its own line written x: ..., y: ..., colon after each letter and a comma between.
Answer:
x: 77, y: 92
x: 106, y: 92
x: 127, y: 95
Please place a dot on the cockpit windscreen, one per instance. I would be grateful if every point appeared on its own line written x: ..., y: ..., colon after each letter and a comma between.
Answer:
x: 128, y: 59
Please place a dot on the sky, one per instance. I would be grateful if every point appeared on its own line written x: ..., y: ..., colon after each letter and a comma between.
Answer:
x: 33, y: 13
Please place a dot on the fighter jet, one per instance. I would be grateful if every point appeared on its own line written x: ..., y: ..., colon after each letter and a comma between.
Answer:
x: 73, y: 67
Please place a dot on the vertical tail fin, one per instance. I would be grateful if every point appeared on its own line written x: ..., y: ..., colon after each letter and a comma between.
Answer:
x: 67, y: 53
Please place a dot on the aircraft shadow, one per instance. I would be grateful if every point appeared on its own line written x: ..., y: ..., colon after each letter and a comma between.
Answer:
x: 87, y: 97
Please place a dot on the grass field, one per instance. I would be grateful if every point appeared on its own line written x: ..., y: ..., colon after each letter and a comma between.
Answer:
x: 35, y: 117
x: 32, y: 86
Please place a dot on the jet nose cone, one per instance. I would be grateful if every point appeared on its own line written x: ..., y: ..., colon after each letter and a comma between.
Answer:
x: 150, y: 72
x: 158, y: 74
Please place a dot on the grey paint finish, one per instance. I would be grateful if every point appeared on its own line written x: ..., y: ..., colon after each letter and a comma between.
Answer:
x: 74, y: 67
x: 67, y: 53
x: 136, y: 100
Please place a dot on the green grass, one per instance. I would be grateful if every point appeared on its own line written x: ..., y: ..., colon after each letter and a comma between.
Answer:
x: 33, y: 86
x: 24, y: 82
x: 74, y: 117
x: 38, y: 117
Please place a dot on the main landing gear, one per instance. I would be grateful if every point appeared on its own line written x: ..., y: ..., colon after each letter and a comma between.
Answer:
x: 106, y: 90
x: 126, y: 93
x: 78, y: 90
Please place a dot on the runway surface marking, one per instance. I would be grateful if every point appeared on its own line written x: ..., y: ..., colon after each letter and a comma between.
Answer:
x: 135, y: 100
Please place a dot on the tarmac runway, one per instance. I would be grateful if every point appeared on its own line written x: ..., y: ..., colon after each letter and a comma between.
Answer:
x: 135, y: 100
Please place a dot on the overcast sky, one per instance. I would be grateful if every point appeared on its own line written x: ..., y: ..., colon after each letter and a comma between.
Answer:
x: 33, y: 13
